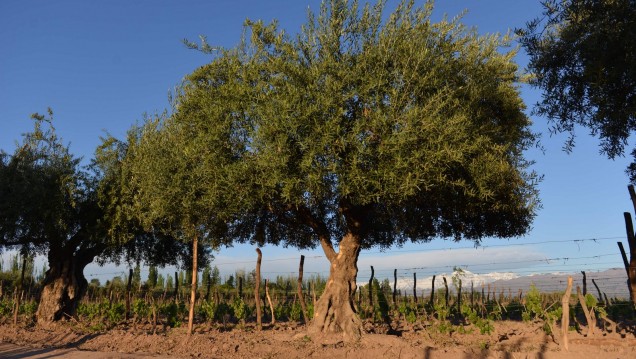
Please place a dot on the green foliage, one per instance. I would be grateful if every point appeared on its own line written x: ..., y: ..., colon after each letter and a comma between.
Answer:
x: 116, y: 313
x: 140, y: 308
x: 400, y: 122
x: 240, y: 309
x: 485, y: 325
x: 409, y: 313
x: 535, y: 310
x: 172, y: 311
x: 582, y: 57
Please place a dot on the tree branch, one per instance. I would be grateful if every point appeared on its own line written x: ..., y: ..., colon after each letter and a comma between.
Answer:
x: 320, y: 229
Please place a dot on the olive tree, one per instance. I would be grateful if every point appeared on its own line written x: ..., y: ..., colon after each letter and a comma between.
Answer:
x: 361, y: 131
x: 583, y: 58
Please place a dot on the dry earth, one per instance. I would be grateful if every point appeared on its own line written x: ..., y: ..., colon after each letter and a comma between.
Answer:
x: 509, y: 340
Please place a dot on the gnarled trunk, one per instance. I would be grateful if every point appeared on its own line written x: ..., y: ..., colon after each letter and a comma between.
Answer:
x: 335, y: 311
x: 63, y: 288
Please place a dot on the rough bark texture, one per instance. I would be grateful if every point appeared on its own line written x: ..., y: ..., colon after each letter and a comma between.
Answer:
x: 335, y: 312
x: 64, y: 285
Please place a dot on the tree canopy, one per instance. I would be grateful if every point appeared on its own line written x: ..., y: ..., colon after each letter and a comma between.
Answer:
x: 583, y: 57
x: 417, y: 124
x: 52, y: 205
x: 359, y: 130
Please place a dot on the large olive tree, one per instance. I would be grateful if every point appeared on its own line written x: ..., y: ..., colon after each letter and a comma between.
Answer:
x: 362, y: 131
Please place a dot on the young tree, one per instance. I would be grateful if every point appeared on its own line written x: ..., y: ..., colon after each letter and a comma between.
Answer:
x: 170, y: 188
x: 363, y: 131
x: 583, y: 57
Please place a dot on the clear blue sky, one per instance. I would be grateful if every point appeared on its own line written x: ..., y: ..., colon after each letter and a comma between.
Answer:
x: 101, y: 65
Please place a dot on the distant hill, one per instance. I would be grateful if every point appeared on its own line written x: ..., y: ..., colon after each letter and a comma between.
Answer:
x: 611, y: 282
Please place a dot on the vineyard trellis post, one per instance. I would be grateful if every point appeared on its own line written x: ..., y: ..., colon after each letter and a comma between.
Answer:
x: 565, y: 316
x: 371, y: 288
x: 432, y: 291
x: 176, y: 286
x: 631, y: 240
x: 446, y: 295
x: 584, y: 282
x: 600, y: 296
x: 128, y: 291
x: 414, y: 287
x: 257, y: 289
x: 394, y: 287
x: 300, y: 288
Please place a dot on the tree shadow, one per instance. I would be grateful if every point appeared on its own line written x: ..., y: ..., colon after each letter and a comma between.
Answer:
x: 10, y: 351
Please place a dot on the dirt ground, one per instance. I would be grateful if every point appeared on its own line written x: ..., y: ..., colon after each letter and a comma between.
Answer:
x: 509, y: 340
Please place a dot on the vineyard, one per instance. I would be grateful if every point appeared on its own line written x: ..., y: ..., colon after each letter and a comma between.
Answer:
x: 159, y: 305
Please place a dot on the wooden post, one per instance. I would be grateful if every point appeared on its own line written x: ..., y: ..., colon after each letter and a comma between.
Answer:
x: 631, y: 240
x: 19, y: 292
x: 565, y: 316
x: 414, y: 287
x: 588, y: 316
x: 176, y: 285
x: 128, y: 290
x: 600, y: 296
x: 300, y: 288
x: 269, y: 300
x: 371, y: 288
x: 459, y: 298
x: 394, y: 288
x: 584, y: 283
x: 207, y: 292
x: 446, y: 286
x: 432, y: 301
x: 240, y: 287
x: 193, y: 282
x: 257, y: 290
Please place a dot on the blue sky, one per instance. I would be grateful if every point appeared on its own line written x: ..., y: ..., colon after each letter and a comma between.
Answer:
x: 101, y: 65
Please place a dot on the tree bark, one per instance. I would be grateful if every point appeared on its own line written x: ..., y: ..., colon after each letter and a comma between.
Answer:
x: 335, y: 311
x: 63, y: 287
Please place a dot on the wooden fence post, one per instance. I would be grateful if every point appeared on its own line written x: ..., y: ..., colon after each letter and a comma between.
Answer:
x: 176, y: 285
x: 371, y: 289
x: 584, y: 282
x: 432, y: 292
x: 446, y: 286
x: 600, y: 296
x: 589, y: 316
x: 415, y: 287
x: 394, y: 288
x: 300, y: 288
x: 565, y: 316
x: 128, y: 289
x: 257, y: 290
x: 269, y: 300
x: 459, y: 298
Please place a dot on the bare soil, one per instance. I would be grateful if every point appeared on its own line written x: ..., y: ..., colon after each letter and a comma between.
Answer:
x: 509, y: 340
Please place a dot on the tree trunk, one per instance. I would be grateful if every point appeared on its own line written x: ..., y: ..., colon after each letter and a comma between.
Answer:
x: 63, y: 287
x: 193, y: 288
x: 335, y: 312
